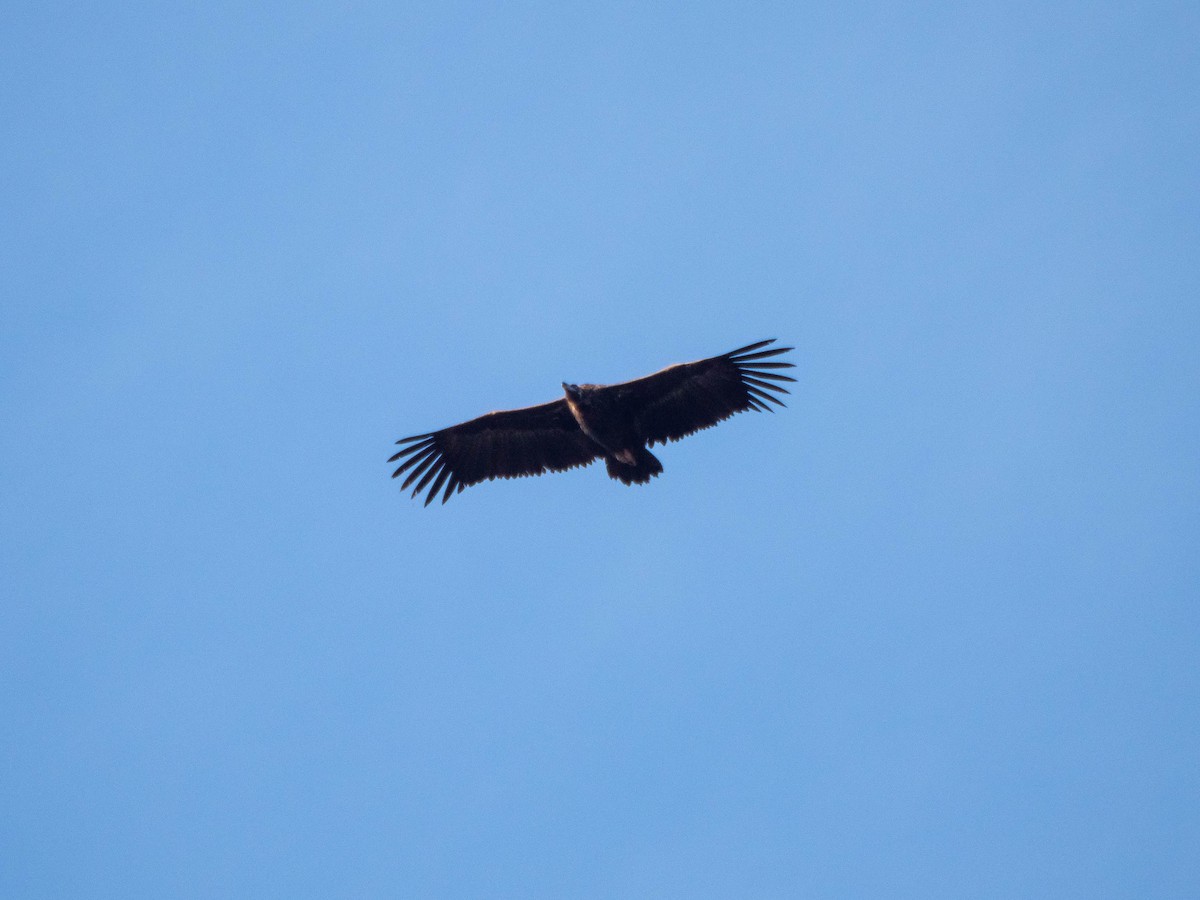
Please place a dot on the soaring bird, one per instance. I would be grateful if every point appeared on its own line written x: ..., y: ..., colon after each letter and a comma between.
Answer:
x: 614, y: 421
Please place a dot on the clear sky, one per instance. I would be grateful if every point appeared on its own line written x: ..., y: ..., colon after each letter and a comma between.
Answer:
x: 931, y: 631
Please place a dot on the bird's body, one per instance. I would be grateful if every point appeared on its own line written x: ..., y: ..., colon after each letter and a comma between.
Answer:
x: 600, y: 411
x: 617, y: 422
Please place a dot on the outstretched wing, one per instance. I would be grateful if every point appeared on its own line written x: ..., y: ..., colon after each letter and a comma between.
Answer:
x: 683, y: 399
x: 506, y: 444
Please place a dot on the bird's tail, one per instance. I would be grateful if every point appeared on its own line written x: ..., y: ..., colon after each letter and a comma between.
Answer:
x: 645, y: 466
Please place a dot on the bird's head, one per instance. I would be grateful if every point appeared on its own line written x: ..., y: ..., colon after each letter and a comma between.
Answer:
x: 572, y: 390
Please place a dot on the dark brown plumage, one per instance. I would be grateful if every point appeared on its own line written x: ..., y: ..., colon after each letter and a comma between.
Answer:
x: 616, y: 421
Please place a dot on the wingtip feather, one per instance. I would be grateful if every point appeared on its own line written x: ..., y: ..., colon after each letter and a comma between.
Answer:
x: 750, y: 347
x: 744, y: 358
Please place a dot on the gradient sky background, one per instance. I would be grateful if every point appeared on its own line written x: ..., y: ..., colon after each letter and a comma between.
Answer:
x: 932, y: 631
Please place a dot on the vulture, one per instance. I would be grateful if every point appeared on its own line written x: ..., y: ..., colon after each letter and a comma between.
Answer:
x: 616, y: 422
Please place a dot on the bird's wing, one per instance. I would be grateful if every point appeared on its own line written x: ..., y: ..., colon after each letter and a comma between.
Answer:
x: 683, y: 399
x: 506, y: 444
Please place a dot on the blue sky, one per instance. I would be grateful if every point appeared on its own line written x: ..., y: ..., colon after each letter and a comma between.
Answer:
x: 931, y: 631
